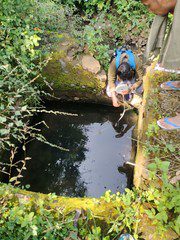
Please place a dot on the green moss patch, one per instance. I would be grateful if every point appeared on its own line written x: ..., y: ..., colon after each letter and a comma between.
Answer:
x: 153, y: 141
x: 70, y: 78
x: 29, y: 215
x: 66, y: 78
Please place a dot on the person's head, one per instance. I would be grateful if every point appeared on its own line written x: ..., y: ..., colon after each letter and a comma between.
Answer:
x: 124, y: 71
x: 160, y: 7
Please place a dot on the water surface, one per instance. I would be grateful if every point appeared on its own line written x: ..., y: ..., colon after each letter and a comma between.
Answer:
x: 98, y: 148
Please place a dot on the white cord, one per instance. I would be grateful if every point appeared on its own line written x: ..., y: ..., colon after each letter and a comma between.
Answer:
x: 124, y: 110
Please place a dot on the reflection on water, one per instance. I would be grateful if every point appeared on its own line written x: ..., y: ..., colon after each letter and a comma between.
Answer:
x: 98, y: 148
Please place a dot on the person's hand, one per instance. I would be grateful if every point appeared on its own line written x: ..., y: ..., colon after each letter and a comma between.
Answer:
x: 125, y: 92
x: 133, y: 87
x: 115, y: 101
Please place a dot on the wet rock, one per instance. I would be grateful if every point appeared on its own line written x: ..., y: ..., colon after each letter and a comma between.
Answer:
x: 72, y: 75
x: 70, y: 55
x: 72, y: 51
x: 111, y: 33
x: 91, y: 64
x: 76, y: 98
x: 176, y: 179
x: 65, y: 43
x: 86, y: 49
x: 128, y: 39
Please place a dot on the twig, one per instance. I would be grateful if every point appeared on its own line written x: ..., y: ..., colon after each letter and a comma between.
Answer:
x: 10, y: 72
x: 124, y: 110
x: 136, y: 165
x: 53, y: 112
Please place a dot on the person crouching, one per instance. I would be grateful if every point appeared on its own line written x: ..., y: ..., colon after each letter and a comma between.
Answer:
x: 124, y: 77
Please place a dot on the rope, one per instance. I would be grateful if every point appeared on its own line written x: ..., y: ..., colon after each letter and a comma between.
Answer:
x: 124, y: 111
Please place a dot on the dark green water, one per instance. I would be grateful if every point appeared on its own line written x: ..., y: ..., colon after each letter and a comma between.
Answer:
x: 98, y: 148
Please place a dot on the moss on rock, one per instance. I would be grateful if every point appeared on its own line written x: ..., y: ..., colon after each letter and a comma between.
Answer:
x: 64, y: 76
x: 66, y: 79
x: 105, y: 213
x: 156, y: 104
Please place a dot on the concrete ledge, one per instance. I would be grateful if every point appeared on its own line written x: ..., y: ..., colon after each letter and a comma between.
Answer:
x: 143, y: 120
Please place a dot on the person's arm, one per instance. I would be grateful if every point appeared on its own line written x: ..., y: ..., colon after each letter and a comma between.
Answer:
x: 139, y: 74
x: 166, y: 6
x: 111, y: 82
x: 160, y: 7
x: 112, y: 75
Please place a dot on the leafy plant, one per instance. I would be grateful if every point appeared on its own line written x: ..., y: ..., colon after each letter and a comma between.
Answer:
x: 32, y: 219
x: 49, y: 16
x: 166, y: 198
x: 103, y: 34
x: 20, y: 95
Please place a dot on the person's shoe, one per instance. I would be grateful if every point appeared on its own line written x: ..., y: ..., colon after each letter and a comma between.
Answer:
x: 172, y: 123
x: 171, y: 85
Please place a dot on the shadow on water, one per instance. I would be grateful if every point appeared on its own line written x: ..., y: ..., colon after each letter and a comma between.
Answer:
x: 98, y: 148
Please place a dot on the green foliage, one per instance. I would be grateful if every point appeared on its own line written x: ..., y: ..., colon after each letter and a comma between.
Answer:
x: 106, y: 31
x: 132, y: 10
x: 20, y: 67
x: 20, y: 30
x: 94, y: 37
x: 32, y: 219
x: 127, y: 212
x: 18, y: 39
x: 49, y: 16
x: 161, y: 193
x: 152, y: 128
x: 96, y: 5
x: 164, y: 201
x: 18, y: 70
x: 166, y: 198
x: 88, y: 7
x: 100, y: 34
x: 36, y: 218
